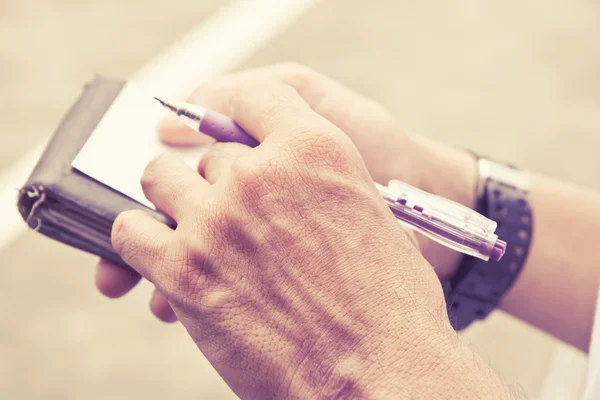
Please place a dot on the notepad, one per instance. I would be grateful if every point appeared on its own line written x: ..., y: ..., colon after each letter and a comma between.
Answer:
x: 125, y: 141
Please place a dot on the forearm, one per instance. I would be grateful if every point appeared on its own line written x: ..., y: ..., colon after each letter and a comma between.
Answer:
x: 557, y: 288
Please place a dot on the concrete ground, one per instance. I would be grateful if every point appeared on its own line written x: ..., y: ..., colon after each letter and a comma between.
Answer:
x: 515, y: 79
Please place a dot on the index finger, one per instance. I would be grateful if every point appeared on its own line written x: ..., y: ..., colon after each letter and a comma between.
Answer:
x: 215, y: 94
x: 272, y: 108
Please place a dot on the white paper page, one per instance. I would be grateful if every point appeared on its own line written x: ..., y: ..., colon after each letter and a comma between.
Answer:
x: 125, y: 141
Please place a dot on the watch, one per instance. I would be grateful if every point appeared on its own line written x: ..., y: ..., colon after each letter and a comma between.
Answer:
x: 477, y: 287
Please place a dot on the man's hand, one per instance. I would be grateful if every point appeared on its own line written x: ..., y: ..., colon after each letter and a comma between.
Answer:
x: 287, y: 268
x: 387, y: 151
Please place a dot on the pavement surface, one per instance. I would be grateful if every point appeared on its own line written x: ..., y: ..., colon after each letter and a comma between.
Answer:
x: 516, y: 80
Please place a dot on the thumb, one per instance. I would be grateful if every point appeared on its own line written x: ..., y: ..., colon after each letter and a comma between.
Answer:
x: 173, y: 132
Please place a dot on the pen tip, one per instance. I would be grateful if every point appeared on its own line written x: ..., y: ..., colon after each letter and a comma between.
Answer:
x: 165, y: 104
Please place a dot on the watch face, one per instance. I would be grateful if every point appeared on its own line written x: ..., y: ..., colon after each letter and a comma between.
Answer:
x: 504, y: 174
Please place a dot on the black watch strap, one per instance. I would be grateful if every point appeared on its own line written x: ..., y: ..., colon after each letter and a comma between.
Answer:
x: 478, y: 286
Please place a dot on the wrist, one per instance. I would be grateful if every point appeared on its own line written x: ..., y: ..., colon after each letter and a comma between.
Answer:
x: 431, y: 366
x: 462, y: 374
x: 449, y: 171
x: 443, y: 368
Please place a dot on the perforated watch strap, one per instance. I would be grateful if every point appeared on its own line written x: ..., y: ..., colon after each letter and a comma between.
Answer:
x: 478, y: 286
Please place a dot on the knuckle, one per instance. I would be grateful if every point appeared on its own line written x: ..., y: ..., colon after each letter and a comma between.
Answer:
x: 273, y: 95
x: 219, y: 300
x: 242, y: 94
x: 240, y: 91
x: 206, y: 161
x: 241, y: 168
x: 258, y: 183
x: 160, y: 160
x: 217, y: 151
x: 191, y: 275
x: 295, y: 71
x: 151, y: 174
x: 190, y: 266
x: 323, y: 149
x: 215, y: 221
x: 148, y: 181
x: 121, y: 235
x: 118, y: 232
x: 175, y: 187
x: 211, y: 87
x: 178, y: 263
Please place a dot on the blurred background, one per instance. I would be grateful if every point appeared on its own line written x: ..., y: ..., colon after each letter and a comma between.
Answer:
x: 516, y: 80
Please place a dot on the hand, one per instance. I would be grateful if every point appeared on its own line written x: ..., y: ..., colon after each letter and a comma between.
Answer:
x: 287, y: 269
x: 388, y: 152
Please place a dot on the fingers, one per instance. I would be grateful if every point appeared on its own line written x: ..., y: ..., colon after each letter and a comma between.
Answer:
x: 114, y: 281
x: 173, y: 132
x: 169, y: 183
x: 161, y: 309
x: 219, y: 158
x: 272, y: 109
x: 141, y: 241
x: 263, y: 107
x: 216, y: 95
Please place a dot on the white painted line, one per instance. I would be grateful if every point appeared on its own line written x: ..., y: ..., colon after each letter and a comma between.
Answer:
x: 217, y: 45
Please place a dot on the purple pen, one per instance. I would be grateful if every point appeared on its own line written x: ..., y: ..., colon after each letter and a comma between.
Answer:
x: 211, y: 123
x: 448, y: 223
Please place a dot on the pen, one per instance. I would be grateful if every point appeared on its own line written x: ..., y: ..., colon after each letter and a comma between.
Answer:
x: 444, y: 221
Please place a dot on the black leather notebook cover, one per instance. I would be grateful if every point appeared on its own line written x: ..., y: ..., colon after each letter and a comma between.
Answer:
x: 66, y: 205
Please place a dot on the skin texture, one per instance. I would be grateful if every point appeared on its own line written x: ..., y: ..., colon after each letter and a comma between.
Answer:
x: 387, y: 151
x: 558, y: 286
x: 288, y: 270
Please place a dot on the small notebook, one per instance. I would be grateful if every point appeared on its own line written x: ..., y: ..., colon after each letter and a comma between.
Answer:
x: 90, y: 171
x: 125, y: 141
